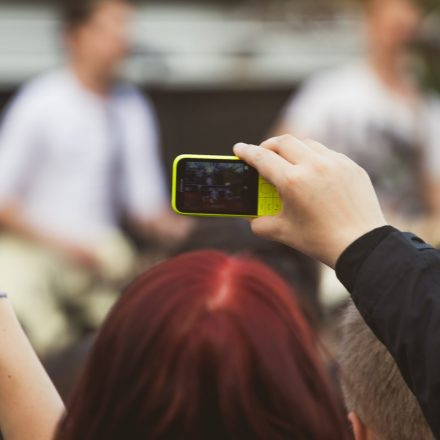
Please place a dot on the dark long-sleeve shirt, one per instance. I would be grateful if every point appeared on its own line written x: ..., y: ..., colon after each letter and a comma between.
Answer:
x: 394, y: 279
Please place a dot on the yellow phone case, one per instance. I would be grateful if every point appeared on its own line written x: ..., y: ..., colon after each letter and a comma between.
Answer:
x: 269, y: 202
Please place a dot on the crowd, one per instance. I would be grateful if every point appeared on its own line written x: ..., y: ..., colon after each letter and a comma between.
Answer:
x: 223, y: 338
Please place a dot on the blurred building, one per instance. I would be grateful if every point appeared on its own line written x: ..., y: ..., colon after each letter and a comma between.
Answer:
x: 218, y: 70
x: 197, y: 44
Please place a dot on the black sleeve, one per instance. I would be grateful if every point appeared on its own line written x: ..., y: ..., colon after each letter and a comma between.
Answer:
x: 394, y: 279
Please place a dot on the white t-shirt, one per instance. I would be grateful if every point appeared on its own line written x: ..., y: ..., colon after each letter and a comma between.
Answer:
x: 75, y: 161
x: 351, y: 111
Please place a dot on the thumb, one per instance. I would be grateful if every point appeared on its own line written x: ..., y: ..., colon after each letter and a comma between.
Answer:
x: 266, y: 227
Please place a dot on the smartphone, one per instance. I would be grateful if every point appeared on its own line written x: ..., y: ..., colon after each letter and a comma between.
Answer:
x: 221, y: 186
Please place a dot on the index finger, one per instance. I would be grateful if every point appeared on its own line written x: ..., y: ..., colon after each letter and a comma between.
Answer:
x: 269, y: 164
x: 290, y: 148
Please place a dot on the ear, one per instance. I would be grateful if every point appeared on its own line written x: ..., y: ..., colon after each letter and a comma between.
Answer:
x: 359, y: 429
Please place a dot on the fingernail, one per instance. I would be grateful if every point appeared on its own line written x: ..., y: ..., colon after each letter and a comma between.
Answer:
x: 239, y: 147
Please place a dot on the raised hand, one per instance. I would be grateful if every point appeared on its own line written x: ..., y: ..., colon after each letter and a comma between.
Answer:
x: 329, y: 200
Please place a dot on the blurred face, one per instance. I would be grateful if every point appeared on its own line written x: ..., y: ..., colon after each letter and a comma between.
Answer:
x: 103, y: 41
x: 394, y: 23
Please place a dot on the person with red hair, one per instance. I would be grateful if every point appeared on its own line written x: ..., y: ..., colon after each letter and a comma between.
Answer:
x: 203, y: 346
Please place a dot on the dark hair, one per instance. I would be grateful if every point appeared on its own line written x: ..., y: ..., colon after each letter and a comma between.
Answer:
x: 75, y: 13
x: 205, y: 346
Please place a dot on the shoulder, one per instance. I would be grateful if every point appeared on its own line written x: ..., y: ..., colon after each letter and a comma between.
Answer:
x: 327, y: 84
x: 129, y: 96
x: 134, y: 107
x: 36, y: 95
x: 332, y: 91
x: 47, y: 85
x: 432, y: 101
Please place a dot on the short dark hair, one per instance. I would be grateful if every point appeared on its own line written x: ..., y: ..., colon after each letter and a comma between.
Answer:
x: 75, y: 13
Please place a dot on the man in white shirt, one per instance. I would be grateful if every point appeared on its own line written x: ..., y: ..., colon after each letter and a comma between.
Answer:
x: 376, y: 113
x: 78, y: 153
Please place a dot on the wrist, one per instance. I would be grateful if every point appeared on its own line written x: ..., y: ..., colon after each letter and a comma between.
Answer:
x: 346, y: 239
x: 353, y: 258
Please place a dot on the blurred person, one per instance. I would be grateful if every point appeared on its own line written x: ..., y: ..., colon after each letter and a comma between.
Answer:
x: 203, y: 346
x: 375, y: 112
x: 79, y: 153
x: 381, y: 405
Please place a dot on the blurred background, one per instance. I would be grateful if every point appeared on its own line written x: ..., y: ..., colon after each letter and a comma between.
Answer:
x: 215, y: 72
x: 218, y: 71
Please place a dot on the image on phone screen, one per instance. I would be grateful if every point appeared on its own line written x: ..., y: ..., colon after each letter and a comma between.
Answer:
x: 215, y: 186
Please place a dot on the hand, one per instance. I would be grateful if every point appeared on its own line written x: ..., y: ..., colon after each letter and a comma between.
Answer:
x: 329, y: 201
x: 81, y: 256
x: 171, y: 229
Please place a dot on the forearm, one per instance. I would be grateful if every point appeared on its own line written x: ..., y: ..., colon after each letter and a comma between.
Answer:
x: 166, y: 228
x: 12, y: 224
x: 30, y: 407
x: 14, y: 221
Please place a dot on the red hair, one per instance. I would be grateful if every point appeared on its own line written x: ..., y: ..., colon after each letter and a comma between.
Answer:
x: 205, y: 346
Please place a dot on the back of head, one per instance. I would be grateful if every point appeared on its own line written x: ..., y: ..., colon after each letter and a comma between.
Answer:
x: 373, y: 386
x: 234, y: 236
x: 205, y: 346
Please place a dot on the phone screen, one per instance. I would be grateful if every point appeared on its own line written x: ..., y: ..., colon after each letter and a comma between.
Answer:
x: 216, y: 186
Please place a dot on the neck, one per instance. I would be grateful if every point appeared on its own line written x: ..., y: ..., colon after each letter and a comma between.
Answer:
x: 91, y: 79
x: 390, y: 66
